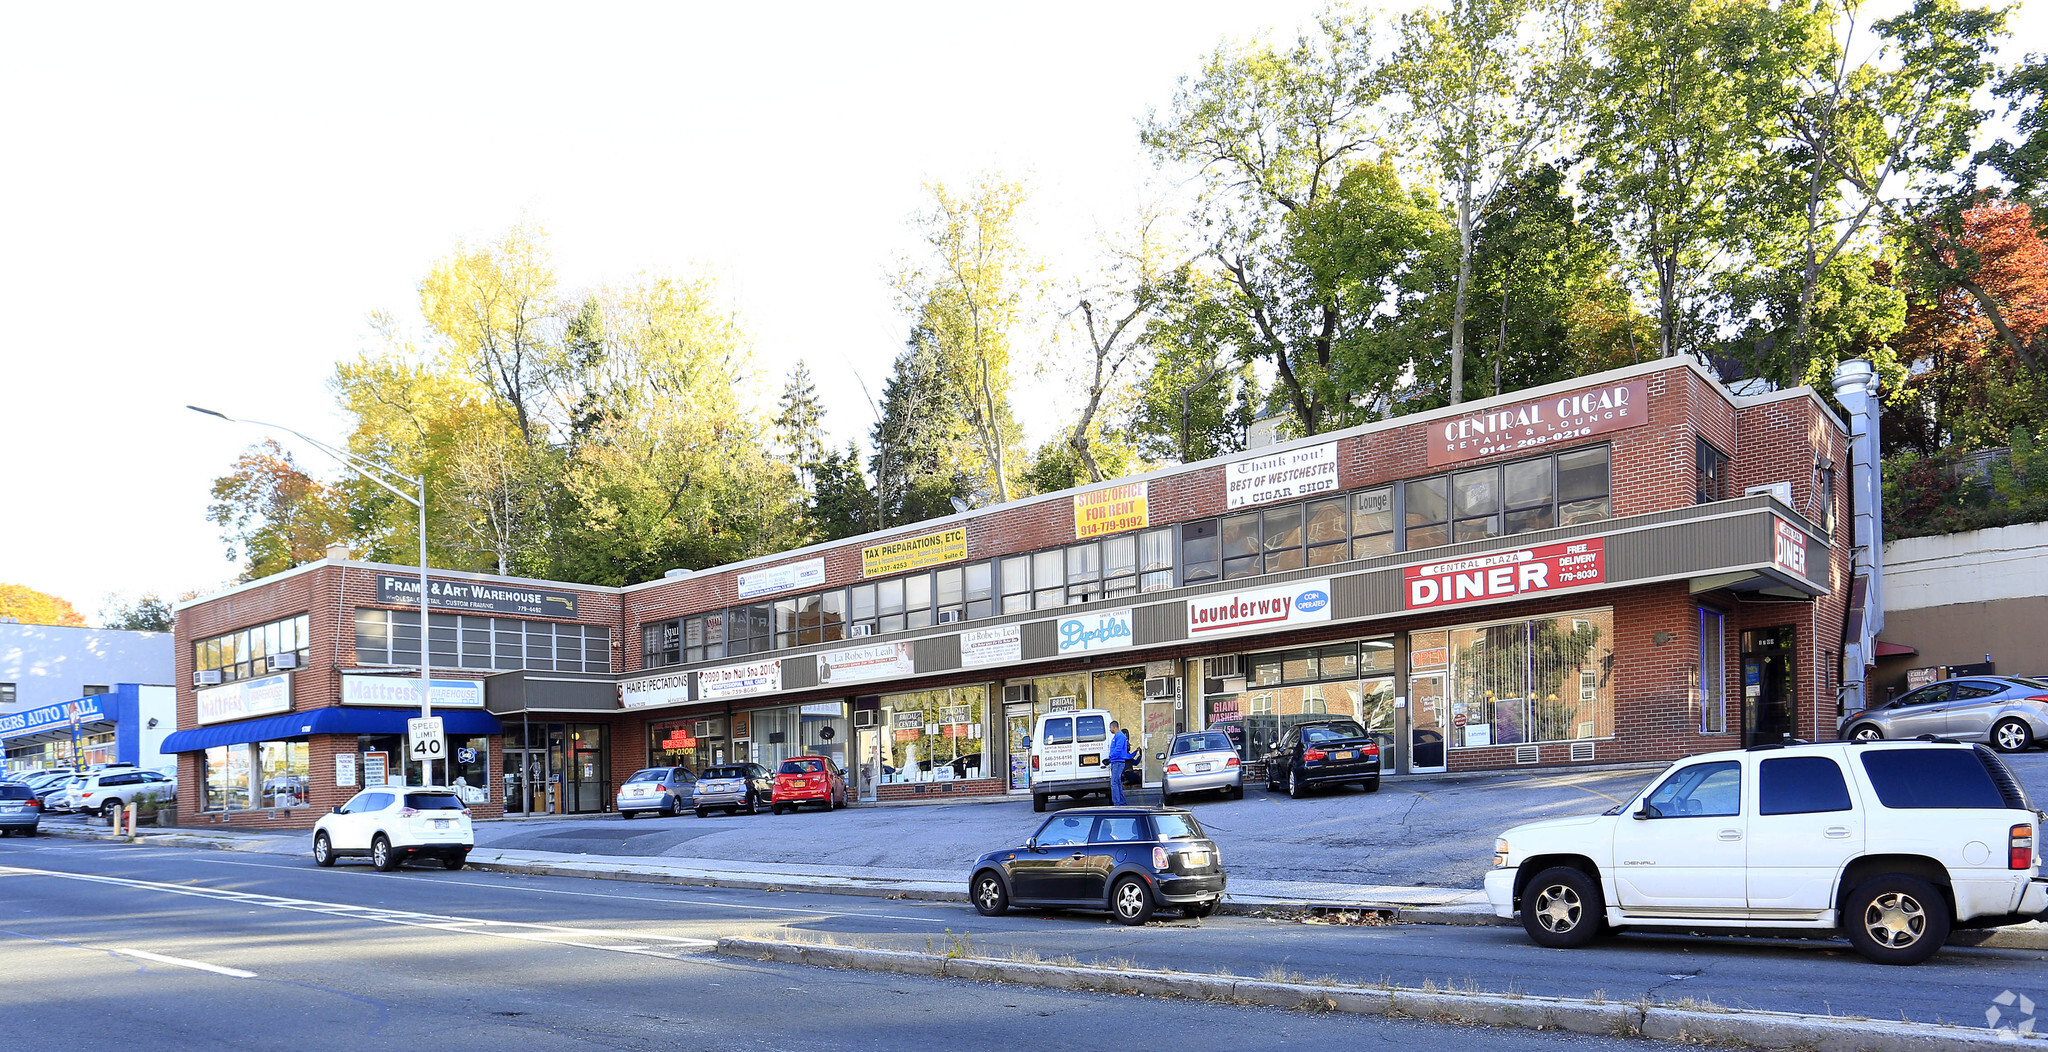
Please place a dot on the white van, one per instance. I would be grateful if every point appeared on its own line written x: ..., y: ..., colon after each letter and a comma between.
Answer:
x: 1069, y: 755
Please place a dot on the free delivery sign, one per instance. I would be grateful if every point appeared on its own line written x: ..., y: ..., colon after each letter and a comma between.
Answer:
x: 1258, y: 609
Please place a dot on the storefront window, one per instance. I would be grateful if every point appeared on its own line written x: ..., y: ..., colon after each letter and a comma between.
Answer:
x: 227, y: 778
x: 1351, y: 680
x: 286, y: 771
x: 936, y: 735
x: 1713, y: 671
x: 470, y: 769
x: 823, y: 730
x: 775, y: 736
x: 1532, y: 681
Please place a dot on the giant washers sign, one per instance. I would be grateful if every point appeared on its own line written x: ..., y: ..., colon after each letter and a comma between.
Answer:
x: 1532, y: 425
x: 404, y: 692
x: 245, y: 698
x: 1258, y: 609
x: 50, y: 717
x: 475, y: 597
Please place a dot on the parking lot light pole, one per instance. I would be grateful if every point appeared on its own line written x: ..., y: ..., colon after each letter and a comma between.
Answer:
x: 385, y: 476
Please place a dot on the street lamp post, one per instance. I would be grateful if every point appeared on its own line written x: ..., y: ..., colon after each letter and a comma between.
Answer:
x: 390, y: 479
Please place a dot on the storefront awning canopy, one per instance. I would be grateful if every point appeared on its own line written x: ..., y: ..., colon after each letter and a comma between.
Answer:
x: 331, y: 720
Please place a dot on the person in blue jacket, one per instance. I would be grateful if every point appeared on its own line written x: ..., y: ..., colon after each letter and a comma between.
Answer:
x: 1119, y: 756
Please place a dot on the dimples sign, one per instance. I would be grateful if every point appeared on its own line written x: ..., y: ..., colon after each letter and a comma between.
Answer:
x: 1087, y: 633
x: 1505, y: 575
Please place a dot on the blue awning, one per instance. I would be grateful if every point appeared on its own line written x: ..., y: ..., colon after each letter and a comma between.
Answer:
x: 334, y: 719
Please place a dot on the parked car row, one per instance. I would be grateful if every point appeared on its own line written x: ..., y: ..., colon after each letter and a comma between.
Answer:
x: 100, y: 789
x: 735, y: 788
x: 2008, y: 713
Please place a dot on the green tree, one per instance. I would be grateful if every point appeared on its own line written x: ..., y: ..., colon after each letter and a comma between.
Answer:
x: 918, y: 440
x: 1109, y: 313
x: 1306, y: 220
x: 1689, y: 88
x: 148, y: 612
x: 1195, y: 402
x: 841, y: 503
x: 1489, y: 85
x: 799, y: 424
x: 966, y: 297
x: 272, y: 514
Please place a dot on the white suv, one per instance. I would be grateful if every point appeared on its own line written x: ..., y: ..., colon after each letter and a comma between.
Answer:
x: 394, y: 823
x: 107, y: 791
x: 1891, y: 843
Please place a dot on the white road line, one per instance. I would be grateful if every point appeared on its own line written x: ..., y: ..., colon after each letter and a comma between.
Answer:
x: 233, y: 973
x: 643, y: 943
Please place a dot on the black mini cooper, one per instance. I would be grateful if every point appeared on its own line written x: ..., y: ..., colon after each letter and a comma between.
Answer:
x: 1127, y: 860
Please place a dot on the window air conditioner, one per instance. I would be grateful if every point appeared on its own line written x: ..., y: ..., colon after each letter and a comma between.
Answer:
x: 706, y: 729
x: 1162, y: 687
x: 857, y: 631
x: 1017, y: 694
x: 207, y: 678
x: 947, y: 617
x: 866, y: 717
x: 1222, y: 667
x: 283, y: 661
x: 1780, y: 490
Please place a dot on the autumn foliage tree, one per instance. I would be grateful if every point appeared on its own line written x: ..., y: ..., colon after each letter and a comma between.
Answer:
x: 21, y: 603
x: 272, y: 514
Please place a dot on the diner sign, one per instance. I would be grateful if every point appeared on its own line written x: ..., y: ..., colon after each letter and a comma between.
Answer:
x: 785, y: 578
x: 1504, y: 575
x: 245, y: 698
x: 1291, y: 475
x: 1788, y: 547
x: 739, y: 681
x: 910, y: 553
x: 1544, y: 422
x: 1258, y: 609
x: 1111, y: 510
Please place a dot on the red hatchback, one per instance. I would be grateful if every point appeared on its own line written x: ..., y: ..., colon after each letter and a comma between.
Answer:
x: 808, y: 780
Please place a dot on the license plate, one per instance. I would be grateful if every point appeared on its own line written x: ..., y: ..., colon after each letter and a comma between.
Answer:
x: 1196, y: 859
x: 10, y: 807
x: 1091, y: 759
x: 1347, y: 756
x: 441, y: 823
x: 1204, y: 768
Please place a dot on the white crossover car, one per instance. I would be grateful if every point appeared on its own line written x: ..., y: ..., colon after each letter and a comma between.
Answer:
x: 392, y: 824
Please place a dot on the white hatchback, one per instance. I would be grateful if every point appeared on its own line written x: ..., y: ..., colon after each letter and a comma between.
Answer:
x: 392, y: 824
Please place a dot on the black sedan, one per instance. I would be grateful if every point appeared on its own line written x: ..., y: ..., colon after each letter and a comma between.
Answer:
x: 1324, y: 752
x: 1126, y: 860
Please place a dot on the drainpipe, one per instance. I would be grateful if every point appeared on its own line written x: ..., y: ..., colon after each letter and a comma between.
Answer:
x: 1856, y: 388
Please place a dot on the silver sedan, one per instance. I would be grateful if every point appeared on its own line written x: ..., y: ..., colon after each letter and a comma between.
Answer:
x: 2009, y: 712
x: 1202, y: 761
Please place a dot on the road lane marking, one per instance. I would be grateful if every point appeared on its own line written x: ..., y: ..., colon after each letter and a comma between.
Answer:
x: 161, y: 958
x: 642, y: 943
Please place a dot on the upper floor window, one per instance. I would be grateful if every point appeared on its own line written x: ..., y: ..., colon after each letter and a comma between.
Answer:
x: 249, y: 652
x: 1711, y: 474
x: 1505, y: 499
x: 469, y: 641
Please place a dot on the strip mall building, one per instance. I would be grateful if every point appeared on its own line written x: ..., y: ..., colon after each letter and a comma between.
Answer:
x: 1635, y: 565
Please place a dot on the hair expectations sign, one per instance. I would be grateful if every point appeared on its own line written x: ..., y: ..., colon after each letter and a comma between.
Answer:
x: 245, y: 698
x: 404, y: 693
x: 788, y: 577
x: 1532, y: 425
x: 1292, y: 475
x: 475, y: 597
x: 671, y: 688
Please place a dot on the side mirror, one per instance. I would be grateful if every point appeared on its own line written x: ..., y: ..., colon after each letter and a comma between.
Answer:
x: 1031, y: 845
x: 336, y: 810
x: 1647, y: 812
x: 1161, y: 755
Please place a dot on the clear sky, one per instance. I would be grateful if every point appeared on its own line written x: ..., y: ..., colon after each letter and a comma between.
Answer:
x: 204, y: 202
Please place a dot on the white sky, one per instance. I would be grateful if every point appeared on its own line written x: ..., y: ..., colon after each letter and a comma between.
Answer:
x: 203, y: 203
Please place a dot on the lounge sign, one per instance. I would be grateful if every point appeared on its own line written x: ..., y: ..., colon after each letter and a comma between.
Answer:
x: 245, y: 698
x: 1505, y: 575
x: 1263, y: 608
x: 911, y: 553
x: 476, y: 597
x: 1540, y: 423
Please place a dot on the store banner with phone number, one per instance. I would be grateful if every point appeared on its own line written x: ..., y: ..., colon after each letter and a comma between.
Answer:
x: 1505, y: 575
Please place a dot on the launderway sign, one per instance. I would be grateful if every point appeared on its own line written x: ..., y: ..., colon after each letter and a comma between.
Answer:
x: 476, y: 597
x: 1258, y: 609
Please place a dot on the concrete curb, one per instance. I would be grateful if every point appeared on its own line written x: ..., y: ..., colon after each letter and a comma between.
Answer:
x: 1655, y: 1021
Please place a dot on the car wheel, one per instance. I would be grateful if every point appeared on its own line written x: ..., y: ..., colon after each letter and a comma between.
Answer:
x: 1561, y: 908
x: 323, y: 851
x: 1165, y: 798
x: 110, y: 808
x: 2012, y: 735
x: 383, y: 857
x: 775, y: 809
x: 1372, y: 785
x: 1296, y: 788
x: 703, y: 812
x: 990, y: 900
x: 669, y: 809
x: 455, y: 861
x: 1131, y: 903
x: 1202, y: 909
x: 753, y: 805
x: 1037, y: 803
x: 1866, y: 733
x: 1896, y: 919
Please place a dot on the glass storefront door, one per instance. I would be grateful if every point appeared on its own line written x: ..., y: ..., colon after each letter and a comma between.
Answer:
x: 870, y: 748
x: 1426, y: 721
x: 1158, y: 738
x: 1017, y: 724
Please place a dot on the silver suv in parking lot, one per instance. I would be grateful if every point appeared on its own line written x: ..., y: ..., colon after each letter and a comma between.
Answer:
x: 2009, y: 713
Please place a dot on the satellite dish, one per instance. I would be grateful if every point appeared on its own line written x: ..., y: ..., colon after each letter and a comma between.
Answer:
x: 959, y: 506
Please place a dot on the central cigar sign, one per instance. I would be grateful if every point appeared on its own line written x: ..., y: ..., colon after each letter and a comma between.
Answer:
x: 1547, y: 421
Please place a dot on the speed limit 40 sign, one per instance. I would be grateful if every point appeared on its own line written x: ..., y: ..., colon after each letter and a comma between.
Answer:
x: 424, y: 739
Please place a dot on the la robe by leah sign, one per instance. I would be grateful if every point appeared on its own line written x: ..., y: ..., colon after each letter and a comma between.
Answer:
x: 1548, y: 421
